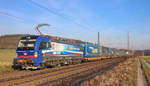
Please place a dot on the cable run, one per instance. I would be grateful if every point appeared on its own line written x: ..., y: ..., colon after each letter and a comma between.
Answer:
x: 58, y: 14
x: 10, y: 15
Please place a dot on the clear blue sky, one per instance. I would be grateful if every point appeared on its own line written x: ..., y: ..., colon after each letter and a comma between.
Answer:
x: 112, y: 18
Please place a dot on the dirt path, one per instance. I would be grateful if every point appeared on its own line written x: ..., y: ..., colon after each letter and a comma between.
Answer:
x: 141, y: 81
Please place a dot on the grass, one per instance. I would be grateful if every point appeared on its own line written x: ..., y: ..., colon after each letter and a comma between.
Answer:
x: 133, y: 75
x: 6, y: 59
x: 5, y: 69
x: 147, y: 58
x: 7, y: 55
x: 147, y: 72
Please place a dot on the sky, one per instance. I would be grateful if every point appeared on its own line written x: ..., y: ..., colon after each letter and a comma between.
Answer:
x: 81, y: 19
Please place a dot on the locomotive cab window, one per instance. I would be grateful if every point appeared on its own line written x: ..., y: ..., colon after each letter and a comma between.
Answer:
x: 26, y: 43
x: 44, y: 45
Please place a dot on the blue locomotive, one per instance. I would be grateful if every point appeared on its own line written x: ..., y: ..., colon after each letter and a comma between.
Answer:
x: 42, y: 51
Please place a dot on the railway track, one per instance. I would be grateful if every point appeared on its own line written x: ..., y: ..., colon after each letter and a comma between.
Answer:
x: 26, y: 73
x: 21, y: 74
x: 58, y: 75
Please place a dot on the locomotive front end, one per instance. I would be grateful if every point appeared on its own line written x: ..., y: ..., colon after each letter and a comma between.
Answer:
x: 27, y: 55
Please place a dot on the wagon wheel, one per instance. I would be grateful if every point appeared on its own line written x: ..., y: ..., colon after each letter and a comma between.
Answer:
x: 42, y: 66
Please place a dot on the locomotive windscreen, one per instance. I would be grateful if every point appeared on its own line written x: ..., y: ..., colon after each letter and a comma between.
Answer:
x: 27, y: 43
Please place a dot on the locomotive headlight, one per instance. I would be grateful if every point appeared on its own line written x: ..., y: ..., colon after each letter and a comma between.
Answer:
x: 36, y: 54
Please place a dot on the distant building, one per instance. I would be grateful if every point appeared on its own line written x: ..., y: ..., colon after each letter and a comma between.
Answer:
x: 146, y: 52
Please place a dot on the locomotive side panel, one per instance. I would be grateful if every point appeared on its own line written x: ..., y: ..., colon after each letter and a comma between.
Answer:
x: 62, y: 54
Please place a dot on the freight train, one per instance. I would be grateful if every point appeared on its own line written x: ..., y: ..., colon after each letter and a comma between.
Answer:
x: 36, y: 52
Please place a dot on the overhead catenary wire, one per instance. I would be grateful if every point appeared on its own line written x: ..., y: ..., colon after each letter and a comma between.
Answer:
x: 51, y: 11
x: 16, y: 17
x: 60, y: 15
x: 11, y: 15
x: 23, y: 20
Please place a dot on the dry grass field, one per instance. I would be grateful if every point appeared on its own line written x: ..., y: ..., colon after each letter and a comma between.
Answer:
x: 147, y: 58
x: 6, y: 59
